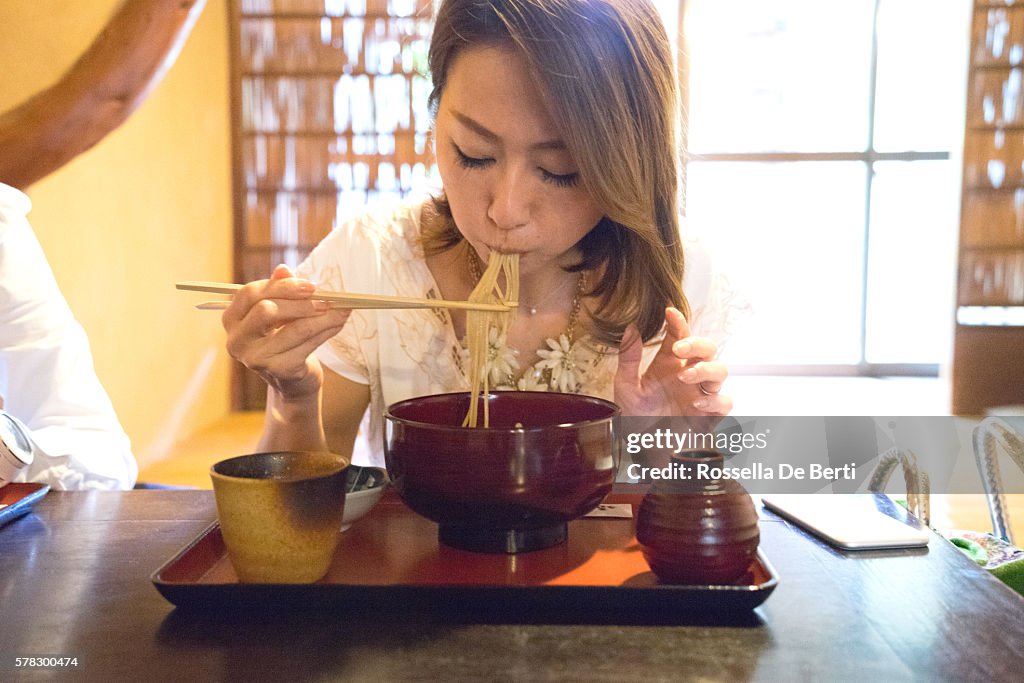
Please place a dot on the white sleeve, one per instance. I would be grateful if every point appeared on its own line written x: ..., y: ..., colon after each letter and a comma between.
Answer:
x: 717, y: 309
x: 47, y: 379
x: 347, y: 259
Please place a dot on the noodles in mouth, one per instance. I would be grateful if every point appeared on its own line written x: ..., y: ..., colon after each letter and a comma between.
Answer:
x: 478, y: 324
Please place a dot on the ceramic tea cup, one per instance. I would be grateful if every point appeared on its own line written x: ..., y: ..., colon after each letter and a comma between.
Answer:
x: 279, y: 513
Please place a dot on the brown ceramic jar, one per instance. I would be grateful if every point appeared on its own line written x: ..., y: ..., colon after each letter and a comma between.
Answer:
x: 697, y: 531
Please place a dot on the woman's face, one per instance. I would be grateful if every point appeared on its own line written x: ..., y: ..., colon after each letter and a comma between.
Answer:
x: 510, y: 181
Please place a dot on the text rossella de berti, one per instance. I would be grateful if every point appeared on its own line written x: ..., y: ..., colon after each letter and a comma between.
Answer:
x: 688, y: 441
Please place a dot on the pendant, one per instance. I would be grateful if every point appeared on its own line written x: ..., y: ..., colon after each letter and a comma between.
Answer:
x: 533, y: 311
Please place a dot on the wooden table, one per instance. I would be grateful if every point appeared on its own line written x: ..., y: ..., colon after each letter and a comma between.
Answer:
x: 75, y: 581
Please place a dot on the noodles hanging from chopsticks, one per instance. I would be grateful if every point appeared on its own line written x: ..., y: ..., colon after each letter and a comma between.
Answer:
x: 479, y: 324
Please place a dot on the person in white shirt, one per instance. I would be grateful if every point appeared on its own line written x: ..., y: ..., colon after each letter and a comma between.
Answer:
x: 55, y: 413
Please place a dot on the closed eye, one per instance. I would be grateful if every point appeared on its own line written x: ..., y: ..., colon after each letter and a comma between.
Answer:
x: 566, y: 180
x: 556, y: 179
x: 467, y: 161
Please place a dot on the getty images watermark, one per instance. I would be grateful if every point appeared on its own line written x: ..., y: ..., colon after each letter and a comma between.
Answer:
x: 811, y: 454
x: 689, y: 442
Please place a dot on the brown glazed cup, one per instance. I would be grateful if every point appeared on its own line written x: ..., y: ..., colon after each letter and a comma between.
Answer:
x: 545, y: 459
x: 280, y: 513
x: 698, y: 531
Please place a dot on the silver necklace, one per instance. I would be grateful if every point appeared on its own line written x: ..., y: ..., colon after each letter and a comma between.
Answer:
x: 476, y: 272
x: 574, y: 312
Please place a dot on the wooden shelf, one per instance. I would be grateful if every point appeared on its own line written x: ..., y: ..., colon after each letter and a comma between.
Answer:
x: 306, y: 16
x: 980, y: 247
x: 310, y: 75
x: 271, y: 248
x: 324, y: 190
x: 400, y: 133
x: 988, y: 189
x: 986, y: 358
x: 996, y: 66
x: 993, y: 128
x: 979, y: 189
x: 997, y: 5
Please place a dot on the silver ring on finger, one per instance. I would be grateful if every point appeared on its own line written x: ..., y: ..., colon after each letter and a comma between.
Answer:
x: 704, y: 389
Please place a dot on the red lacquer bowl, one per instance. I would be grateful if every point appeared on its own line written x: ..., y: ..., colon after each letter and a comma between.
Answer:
x: 545, y: 459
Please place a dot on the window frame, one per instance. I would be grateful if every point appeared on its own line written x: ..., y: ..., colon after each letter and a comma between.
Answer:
x: 869, y: 157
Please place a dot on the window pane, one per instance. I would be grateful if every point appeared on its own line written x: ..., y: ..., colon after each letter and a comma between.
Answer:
x: 790, y: 237
x: 912, y: 262
x: 922, y: 77
x: 789, y: 75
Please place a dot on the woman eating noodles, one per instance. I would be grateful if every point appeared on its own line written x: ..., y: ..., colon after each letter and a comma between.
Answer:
x: 555, y: 138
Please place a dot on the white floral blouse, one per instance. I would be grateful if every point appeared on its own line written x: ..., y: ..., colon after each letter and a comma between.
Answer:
x: 414, y: 352
x: 568, y: 367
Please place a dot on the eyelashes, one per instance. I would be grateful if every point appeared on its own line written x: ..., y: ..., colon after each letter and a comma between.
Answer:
x: 567, y: 180
x: 558, y: 180
x: 471, y: 162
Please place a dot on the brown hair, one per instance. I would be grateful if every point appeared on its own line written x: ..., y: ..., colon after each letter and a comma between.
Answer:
x: 607, y: 66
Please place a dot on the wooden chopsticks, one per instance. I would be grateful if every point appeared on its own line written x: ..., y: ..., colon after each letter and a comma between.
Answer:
x: 346, y: 299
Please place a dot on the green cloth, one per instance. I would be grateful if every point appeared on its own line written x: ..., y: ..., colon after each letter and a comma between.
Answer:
x: 1012, y: 574
x: 971, y: 550
x: 1002, y: 559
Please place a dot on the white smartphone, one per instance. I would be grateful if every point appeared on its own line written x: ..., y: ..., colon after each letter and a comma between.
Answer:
x: 848, y: 521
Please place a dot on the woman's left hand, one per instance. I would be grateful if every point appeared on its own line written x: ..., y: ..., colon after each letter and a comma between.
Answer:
x: 683, y: 379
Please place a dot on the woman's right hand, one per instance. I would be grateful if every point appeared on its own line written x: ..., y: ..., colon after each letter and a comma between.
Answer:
x: 273, y: 328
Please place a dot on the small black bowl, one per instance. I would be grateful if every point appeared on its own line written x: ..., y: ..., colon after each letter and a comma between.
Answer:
x: 363, y: 489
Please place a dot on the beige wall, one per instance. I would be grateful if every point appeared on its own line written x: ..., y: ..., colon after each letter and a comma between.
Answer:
x: 147, y: 206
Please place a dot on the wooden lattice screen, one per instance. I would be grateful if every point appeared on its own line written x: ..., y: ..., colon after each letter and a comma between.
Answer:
x: 330, y: 111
